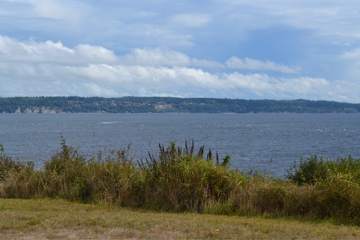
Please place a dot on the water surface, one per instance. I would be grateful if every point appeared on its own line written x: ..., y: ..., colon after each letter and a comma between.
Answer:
x: 270, y: 142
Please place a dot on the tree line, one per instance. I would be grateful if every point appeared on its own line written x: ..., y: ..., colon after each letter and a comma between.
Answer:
x: 76, y: 104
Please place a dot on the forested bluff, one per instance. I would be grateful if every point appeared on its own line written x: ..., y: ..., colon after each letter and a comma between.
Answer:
x: 75, y: 104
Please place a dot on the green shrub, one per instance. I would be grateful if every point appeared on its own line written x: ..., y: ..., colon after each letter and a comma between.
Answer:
x: 309, y: 170
x: 347, y: 165
x: 13, y: 175
x: 338, y: 198
x: 314, y: 169
x: 180, y: 181
x: 8, y: 165
x: 102, y: 179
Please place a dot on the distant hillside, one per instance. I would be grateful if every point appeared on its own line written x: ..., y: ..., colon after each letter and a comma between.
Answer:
x: 167, y: 105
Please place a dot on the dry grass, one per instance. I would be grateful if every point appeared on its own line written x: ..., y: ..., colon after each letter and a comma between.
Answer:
x: 60, y: 219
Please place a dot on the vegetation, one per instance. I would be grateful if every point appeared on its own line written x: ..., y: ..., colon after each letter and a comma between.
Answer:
x: 314, y: 170
x: 168, y: 104
x: 185, y: 180
x: 60, y: 219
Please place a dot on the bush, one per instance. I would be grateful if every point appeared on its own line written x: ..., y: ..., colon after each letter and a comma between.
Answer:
x: 338, y: 198
x: 8, y: 165
x: 314, y: 169
x: 309, y: 170
x: 180, y: 181
x: 13, y: 175
x: 103, y: 179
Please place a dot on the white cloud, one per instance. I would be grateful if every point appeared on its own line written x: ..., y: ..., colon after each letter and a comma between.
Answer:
x: 189, y: 20
x: 12, y: 50
x: 156, y: 57
x: 165, y: 79
x: 94, y: 54
x: 206, y: 63
x: 352, y: 64
x: 336, y: 20
x: 354, y: 54
x: 165, y: 57
x: 46, y: 68
x: 265, y: 83
x: 252, y: 64
x: 99, y: 90
x: 51, y: 9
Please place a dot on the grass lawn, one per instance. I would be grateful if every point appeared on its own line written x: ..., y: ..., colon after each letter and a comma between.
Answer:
x: 60, y: 219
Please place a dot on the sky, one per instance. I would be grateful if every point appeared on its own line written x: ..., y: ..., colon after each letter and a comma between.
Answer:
x: 237, y: 49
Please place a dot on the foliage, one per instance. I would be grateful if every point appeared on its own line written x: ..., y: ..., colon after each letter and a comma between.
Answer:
x: 314, y: 169
x: 10, y: 166
x: 180, y: 180
x: 169, y: 104
x: 184, y: 180
x: 309, y: 170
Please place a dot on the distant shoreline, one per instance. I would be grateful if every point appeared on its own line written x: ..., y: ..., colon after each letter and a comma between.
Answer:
x: 52, y: 105
x: 224, y: 113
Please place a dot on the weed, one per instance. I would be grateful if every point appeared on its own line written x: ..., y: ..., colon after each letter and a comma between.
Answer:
x: 184, y: 180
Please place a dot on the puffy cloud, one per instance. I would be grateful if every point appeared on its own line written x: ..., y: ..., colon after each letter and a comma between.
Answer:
x: 94, y: 54
x: 187, y: 81
x: 31, y: 51
x: 47, y: 68
x: 252, y: 64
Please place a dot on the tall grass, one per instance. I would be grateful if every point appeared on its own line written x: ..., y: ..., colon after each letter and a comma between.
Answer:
x: 180, y: 180
x: 188, y: 180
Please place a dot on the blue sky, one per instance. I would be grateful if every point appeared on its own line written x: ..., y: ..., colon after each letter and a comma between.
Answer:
x: 242, y: 49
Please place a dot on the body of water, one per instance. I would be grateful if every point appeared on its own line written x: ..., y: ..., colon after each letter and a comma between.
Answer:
x: 267, y: 142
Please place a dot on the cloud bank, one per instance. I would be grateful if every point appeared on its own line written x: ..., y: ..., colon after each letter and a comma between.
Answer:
x: 30, y: 68
x: 253, y: 64
x: 229, y: 48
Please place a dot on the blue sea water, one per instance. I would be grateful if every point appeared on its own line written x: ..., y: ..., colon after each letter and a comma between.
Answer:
x: 266, y: 142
